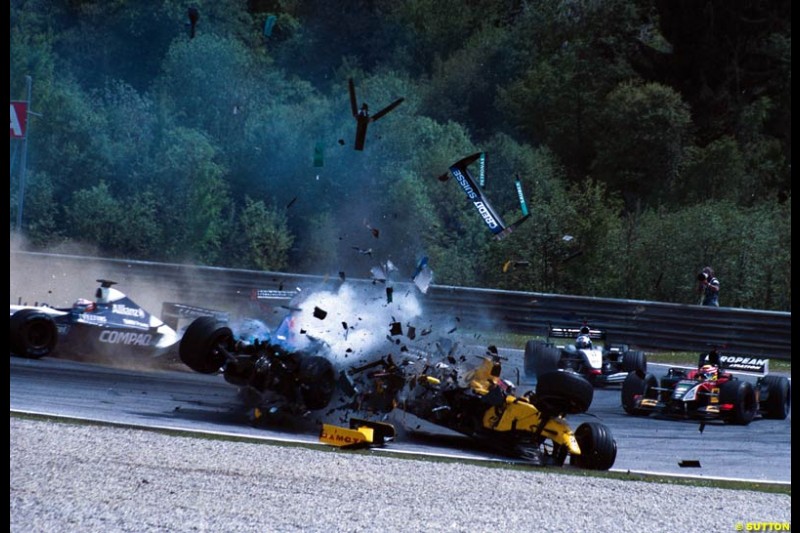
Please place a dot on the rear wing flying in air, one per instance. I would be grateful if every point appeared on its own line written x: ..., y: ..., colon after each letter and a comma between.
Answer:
x: 493, y: 220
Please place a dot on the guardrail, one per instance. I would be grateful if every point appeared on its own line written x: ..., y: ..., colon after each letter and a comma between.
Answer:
x: 644, y: 324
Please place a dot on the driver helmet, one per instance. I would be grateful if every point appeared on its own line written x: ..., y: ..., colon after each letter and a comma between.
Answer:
x: 84, y: 305
x: 583, y: 341
x: 708, y: 372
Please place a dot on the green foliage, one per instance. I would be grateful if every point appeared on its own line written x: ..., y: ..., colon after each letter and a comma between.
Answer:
x: 267, y: 235
x: 40, y: 209
x: 94, y: 216
x: 715, y: 172
x: 651, y: 138
x: 646, y: 161
x: 316, y: 251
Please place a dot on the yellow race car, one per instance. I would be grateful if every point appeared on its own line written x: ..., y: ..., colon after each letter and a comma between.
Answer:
x: 478, y: 403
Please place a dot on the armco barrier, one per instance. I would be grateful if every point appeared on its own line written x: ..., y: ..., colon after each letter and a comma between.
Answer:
x: 646, y: 325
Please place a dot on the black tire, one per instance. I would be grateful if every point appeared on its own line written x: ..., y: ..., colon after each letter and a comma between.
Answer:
x: 199, y: 347
x: 637, y: 384
x: 598, y: 447
x: 634, y: 361
x: 540, y: 358
x: 561, y: 392
x: 778, y: 401
x: 317, y: 381
x: 33, y: 334
x: 743, y: 397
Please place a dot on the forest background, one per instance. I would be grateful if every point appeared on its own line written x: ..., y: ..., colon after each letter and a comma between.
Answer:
x: 651, y: 138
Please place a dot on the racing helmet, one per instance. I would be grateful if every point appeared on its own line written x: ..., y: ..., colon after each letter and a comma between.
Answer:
x: 82, y: 304
x: 583, y: 341
x: 708, y: 372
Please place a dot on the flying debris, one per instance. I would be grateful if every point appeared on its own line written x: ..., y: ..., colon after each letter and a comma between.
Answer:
x: 319, y: 154
x: 360, y: 434
x: 389, y: 291
x: 362, y: 116
x: 378, y: 274
x: 423, y: 275
x: 194, y: 16
x: 493, y: 220
x: 269, y: 24
x: 320, y: 313
x: 363, y: 251
x: 290, y: 204
x: 508, y: 264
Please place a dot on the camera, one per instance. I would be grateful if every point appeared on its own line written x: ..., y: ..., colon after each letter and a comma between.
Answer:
x: 702, y: 276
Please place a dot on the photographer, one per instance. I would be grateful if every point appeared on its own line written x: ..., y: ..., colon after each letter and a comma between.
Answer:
x: 708, y: 286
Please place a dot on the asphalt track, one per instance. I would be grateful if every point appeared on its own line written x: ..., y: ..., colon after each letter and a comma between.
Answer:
x: 201, y: 403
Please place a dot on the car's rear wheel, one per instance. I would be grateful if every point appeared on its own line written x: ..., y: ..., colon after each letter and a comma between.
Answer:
x: 563, y: 392
x: 598, y: 447
x: 633, y: 361
x: 317, y: 381
x: 200, y: 347
x: 33, y: 334
x: 779, y: 397
x: 638, y: 385
x: 540, y: 358
x: 743, y: 398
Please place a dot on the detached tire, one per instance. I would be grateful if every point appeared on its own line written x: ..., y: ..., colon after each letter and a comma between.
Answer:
x: 540, y: 358
x: 317, y: 381
x: 743, y: 397
x: 33, y: 334
x: 562, y: 392
x: 778, y: 401
x: 636, y: 385
x: 199, y: 348
x: 634, y: 361
x: 598, y: 447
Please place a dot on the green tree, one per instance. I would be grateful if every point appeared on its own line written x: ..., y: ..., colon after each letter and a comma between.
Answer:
x: 95, y: 216
x: 642, y: 155
x: 267, y: 236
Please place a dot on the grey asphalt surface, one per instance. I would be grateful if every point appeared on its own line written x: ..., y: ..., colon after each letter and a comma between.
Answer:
x: 78, y: 477
x: 186, y: 400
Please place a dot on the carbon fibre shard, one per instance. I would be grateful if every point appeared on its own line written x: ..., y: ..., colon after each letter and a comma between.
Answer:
x: 363, y: 117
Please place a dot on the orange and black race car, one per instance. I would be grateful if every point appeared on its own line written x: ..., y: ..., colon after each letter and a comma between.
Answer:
x: 710, y: 391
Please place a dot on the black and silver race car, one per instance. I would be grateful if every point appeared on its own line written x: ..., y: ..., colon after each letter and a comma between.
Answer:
x: 601, y: 365
x: 111, y: 327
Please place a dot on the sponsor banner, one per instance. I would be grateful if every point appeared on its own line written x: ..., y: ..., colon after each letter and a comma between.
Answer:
x: 128, y: 338
x: 135, y: 312
x: 744, y: 363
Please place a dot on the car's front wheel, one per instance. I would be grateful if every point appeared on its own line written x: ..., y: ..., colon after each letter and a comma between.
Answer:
x: 598, y: 447
x: 635, y: 386
x: 201, y: 347
x: 742, y: 396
